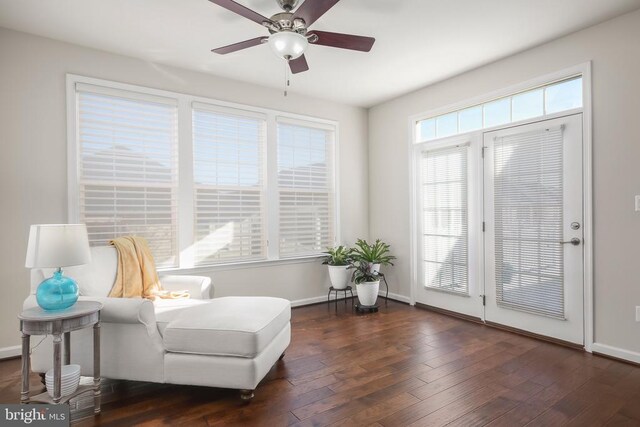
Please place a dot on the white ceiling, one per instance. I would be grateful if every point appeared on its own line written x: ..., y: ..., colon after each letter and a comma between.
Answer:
x: 418, y: 41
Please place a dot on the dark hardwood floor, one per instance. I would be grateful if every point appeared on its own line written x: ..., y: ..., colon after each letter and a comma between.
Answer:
x: 399, y: 367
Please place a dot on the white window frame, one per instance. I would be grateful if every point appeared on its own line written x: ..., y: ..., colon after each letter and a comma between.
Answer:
x: 233, y: 112
x: 82, y: 88
x: 274, y: 190
x: 584, y: 70
x: 432, y: 115
x: 185, y: 195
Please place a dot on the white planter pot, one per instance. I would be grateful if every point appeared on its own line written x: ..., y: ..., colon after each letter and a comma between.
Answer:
x: 368, y: 292
x: 374, y: 268
x: 339, y: 276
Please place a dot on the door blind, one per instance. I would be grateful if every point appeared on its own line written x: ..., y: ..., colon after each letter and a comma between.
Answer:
x: 445, y: 234
x: 127, y: 169
x: 528, y: 200
x: 229, y: 186
x: 305, y: 189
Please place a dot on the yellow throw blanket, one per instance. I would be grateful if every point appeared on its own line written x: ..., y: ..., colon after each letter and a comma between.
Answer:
x: 137, y: 276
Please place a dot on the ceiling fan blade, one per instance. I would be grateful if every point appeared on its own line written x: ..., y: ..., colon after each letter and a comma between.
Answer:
x: 241, y: 10
x: 298, y: 65
x: 239, y: 46
x: 311, y: 10
x: 343, y: 41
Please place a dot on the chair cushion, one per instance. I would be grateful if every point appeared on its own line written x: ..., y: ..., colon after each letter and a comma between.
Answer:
x: 167, y: 310
x: 228, y: 326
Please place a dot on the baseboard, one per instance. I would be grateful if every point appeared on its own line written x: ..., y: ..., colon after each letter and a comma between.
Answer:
x: 318, y: 299
x: 10, y: 352
x: 616, y: 353
x: 323, y: 298
x: 450, y: 313
x: 525, y: 333
x: 308, y: 301
x: 397, y: 297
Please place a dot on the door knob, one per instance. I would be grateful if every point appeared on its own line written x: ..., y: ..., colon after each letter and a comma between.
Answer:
x: 575, y: 242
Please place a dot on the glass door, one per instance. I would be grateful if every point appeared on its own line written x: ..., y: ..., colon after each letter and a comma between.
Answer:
x: 533, y: 238
x: 449, y: 226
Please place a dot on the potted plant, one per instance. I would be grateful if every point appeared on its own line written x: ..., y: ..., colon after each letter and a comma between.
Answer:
x: 374, y: 255
x: 338, y: 260
x: 367, y: 283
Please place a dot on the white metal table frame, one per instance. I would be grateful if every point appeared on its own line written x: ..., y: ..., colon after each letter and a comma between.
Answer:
x: 36, y: 321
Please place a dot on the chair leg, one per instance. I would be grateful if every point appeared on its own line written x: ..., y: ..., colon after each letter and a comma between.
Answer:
x: 246, y: 395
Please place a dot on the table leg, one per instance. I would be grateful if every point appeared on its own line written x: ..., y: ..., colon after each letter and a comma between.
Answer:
x: 57, y: 367
x: 96, y: 368
x: 24, y: 394
x: 67, y: 348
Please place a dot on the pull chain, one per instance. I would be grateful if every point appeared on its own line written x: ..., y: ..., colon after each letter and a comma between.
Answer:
x: 286, y: 77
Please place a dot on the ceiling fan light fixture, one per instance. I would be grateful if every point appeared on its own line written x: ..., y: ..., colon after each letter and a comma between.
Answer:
x: 288, y: 44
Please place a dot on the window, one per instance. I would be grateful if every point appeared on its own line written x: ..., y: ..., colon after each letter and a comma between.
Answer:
x: 527, y: 105
x: 563, y: 96
x: 127, y: 169
x: 528, y: 209
x: 426, y: 130
x: 447, y: 125
x: 497, y: 112
x: 552, y: 98
x: 470, y: 119
x: 305, y: 188
x: 204, y: 183
x: 444, y: 182
x: 228, y: 185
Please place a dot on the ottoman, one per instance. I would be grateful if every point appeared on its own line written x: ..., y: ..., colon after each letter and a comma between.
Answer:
x: 229, y: 342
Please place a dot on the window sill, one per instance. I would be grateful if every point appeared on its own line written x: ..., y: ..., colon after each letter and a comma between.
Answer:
x: 242, y: 265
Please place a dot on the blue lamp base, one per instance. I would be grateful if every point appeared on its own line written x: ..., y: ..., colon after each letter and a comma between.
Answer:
x: 57, y: 292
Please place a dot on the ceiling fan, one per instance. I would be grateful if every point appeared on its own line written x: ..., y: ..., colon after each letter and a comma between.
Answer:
x: 290, y: 34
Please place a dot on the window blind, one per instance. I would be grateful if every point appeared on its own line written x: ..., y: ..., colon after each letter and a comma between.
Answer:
x: 127, y: 168
x: 445, y: 219
x: 228, y: 165
x: 305, y: 188
x: 528, y: 203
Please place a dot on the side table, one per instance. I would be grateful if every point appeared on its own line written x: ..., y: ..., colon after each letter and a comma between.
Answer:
x: 36, y: 321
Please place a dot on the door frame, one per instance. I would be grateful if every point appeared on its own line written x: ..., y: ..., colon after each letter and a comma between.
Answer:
x: 584, y: 70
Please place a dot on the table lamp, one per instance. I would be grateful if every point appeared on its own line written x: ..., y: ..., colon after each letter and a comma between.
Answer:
x: 57, y: 246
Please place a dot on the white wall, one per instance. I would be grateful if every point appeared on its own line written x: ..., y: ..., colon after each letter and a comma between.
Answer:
x: 614, y: 48
x: 33, y: 158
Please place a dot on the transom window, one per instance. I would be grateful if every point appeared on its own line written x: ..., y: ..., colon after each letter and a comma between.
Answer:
x: 549, y: 99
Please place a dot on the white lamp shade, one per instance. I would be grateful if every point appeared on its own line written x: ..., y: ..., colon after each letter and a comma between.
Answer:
x: 57, y: 245
x: 288, y: 44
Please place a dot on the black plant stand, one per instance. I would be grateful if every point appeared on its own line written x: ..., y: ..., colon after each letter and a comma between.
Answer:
x: 386, y: 296
x: 345, y: 290
x: 366, y: 308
